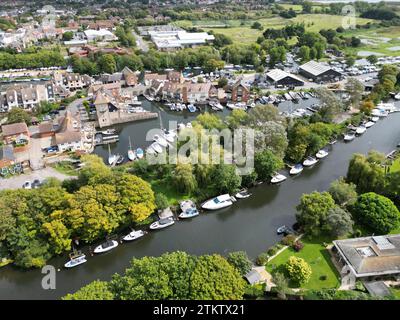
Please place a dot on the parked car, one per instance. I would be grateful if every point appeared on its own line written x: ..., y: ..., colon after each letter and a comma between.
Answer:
x: 36, y: 184
x: 27, y: 185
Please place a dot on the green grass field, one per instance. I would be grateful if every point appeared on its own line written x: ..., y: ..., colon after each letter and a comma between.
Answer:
x: 317, y: 256
x: 240, y: 30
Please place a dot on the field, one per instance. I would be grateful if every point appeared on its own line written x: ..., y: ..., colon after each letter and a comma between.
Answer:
x: 317, y: 256
x: 240, y: 30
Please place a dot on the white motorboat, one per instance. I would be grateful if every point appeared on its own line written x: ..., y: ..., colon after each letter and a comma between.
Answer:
x: 189, y: 125
x: 397, y: 96
x: 135, y: 101
x: 106, y: 246
x: 388, y: 107
x: 361, y: 129
x: 277, y: 178
x: 374, y: 119
x: 162, y: 223
x: 181, y: 126
x: 139, y: 153
x: 298, y: 168
x: 134, y: 235
x: 160, y: 140
x: 243, y: 194
x: 170, y: 136
x: 75, y: 260
x: 189, y: 209
x: 369, y: 124
x: 156, y: 147
x: 150, y: 150
x: 284, y: 230
x: 219, y: 202
x: 310, y: 161
x: 379, y: 113
x: 349, y: 136
x: 322, y: 154
x: 109, y: 132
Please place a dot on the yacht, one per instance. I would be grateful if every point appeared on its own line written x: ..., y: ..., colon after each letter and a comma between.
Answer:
x: 131, y: 153
x: 139, y: 153
x: 169, y: 135
x: 120, y: 159
x: 112, y: 158
x: 277, y: 178
x: 361, y: 129
x: 374, y: 119
x: 162, y: 223
x: 243, y: 194
x: 134, y: 235
x: 160, y: 140
x: 310, y: 161
x: 397, y: 96
x: 109, y: 132
x: 219, y: 202
x: 189, y: 209
x: 156, y: 147
x: 369, y: 124
x: 322, y: 154
x: 106, y: 246
x: 192, y: 107
x: 75, y: 260
x: 349, y: 136
x: 296, y: 169
x: 150, y: 150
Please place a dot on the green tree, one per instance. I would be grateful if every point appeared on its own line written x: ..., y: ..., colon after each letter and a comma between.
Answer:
x: 240, y: 261
x: 281, y: 285
x: 161, y: 201
x: 342, y: 192
x: 339, y: 222
x: 213, y: 278
x: 226, y: 179
x: 372, y: 59
x: 184, y: 179
x: 107, y: 63
x: 67, y: 36
x: 355, y: 89
x: 266, y: 163
x: 304, y: 54
x: 237, y: 118
x: 313, y: 210
x: 16, y: 115
x: 222, y: 82
x: 96, y: 290
x: 298, y: 270
x: 377, y: 213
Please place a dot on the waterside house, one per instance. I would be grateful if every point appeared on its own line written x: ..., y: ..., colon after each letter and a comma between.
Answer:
x: 14, y: 133
x: 68, y: 137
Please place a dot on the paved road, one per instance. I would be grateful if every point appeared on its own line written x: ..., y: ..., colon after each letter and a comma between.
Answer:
x: 140, y: 42
x: 17, y: 181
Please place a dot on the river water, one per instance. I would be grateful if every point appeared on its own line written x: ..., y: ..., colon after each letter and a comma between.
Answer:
x: 249, y: 224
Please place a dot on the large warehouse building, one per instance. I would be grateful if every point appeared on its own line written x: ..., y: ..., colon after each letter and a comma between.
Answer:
x: 319, y: 72
x: 280, y: 77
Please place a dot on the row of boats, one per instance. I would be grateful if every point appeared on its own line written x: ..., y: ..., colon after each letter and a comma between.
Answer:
x: 187, y: 207
x: 289, y: 96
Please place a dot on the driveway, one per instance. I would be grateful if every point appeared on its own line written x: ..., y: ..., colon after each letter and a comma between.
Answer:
x: 17, y: 181
x: 142, y: 45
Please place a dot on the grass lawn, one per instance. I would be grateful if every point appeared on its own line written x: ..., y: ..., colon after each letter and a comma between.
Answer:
x: 395, y: 165
x: 317, y: 256
x: 174, y: 197
x: 395, y: 292
x: 240, y: 30
x: 66, y: 168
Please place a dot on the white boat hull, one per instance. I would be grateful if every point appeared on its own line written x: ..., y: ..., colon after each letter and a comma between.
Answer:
x: 309, y: 163
x: 75, y: 262
x: 100, y: 249
x: 156, y: 225
x: 278, y: 178
x: 134, y: 235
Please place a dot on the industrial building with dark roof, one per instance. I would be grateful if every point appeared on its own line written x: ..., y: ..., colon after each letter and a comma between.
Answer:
x: 318, y: 72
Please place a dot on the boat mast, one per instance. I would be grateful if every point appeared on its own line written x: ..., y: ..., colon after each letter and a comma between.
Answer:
x: 130, y: 144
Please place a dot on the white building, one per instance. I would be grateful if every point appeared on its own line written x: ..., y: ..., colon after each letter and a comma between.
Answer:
x: 99, y: 35
x: 172, y: 40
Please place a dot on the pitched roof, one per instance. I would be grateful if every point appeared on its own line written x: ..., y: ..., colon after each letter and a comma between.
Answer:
x: 67, y: 133
x: 315, y: 68
x: 277, y: 75
x: 101, y: 98
x: 15, y: 128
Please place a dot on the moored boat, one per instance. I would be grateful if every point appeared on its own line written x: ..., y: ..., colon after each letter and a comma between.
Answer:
x: 310, y: 161
x: 189, y: 209
x: 349, y: 136
x: 160, y: 140
x: 243, y: 194
x: 75, y: 260
x: 296, y: 169
x: 106, y: 246
x: 139, y: 153
x: 369, y: 124
x: 322, y: 154
x: 361, y: 129
x: 219, y: 202
x: 134, y: 235
x: 277, y: 178
x: 162, y: 223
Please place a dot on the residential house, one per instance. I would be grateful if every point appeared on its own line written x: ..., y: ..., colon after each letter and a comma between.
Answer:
x: 15, y: 132
x: 238, y: 92
x: 7, y: 157
x: 127, y: 78
x: 68, y: 137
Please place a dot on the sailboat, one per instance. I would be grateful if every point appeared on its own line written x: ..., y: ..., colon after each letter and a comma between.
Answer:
x: 139, y: 153
x: 111, y: 157
x: 131, y: 153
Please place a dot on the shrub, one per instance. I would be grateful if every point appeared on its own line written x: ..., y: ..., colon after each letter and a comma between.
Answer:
x: 271, y: 251
x: 298, y: 245
x: 298, y: 270
x: 262, y: 259
x: 323, y: 277
x: 289, y: 240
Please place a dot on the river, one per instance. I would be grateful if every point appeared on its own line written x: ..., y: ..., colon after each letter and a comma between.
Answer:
x: 249, y: 225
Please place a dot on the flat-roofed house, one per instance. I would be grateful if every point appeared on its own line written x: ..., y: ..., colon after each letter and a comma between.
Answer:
x: 368, y: 259
x: 14, y: 132
x: 318, y: 72
x: 280, y: 77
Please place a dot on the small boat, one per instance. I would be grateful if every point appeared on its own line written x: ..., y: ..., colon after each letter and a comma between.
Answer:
x: 374, y: 119
x: 397, y: 96
x: 112, y: 158
x: 131, y: 153
x: 139, y: 153
x: 298, y: 168
x: 349, y: 136
x: 284, y: 230
x: 361, y: 129
x: 160, y: 140
x: 156, y: 147
x: 120, y: 159
x: 181, y: 126
x: 109, y: 132
x: 106, y: 246
x: 75, y: 260
x: 170, y: 136
x: 332, y: 142
x: 369, y: 124
x: 135, y: 101
x: 322, y: 154
x: 192, y: 108
x: 162, y: 223
x: 219, y: 202
x: 277, y: 178
x: 134, y: 235
x: 242, y: 194
x: 150, y: 150
x: 310, y: 161
x: 189, y: 209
